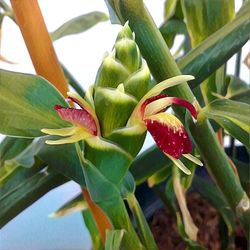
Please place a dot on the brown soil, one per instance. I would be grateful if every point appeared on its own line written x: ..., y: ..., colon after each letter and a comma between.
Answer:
x: 206, y: 218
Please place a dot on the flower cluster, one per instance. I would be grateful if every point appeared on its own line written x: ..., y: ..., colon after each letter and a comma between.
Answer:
x: 149, y: 114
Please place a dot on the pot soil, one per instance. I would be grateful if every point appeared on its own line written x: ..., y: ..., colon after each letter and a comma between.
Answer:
x: 206, y: 218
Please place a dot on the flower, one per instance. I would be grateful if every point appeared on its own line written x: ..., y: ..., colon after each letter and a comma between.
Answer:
x: 149, y: 115
x: 84, y: 121
x: 166, y: 129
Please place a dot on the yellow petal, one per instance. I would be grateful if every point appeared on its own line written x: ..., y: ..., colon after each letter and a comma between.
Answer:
x: 179, y: 164
x: 193, y: 159
x: 60, y: 131
x: 156, y: 90
x: 156, y: 106
x: 72, y: 139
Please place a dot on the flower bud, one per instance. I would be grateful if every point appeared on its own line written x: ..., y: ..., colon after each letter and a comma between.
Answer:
x: 127, y: 52
x: 138, y: 83
x: 113, y: 108
x: 111, y: 73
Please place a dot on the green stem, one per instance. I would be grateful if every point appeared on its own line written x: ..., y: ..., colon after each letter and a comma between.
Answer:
x: 163, y: 66
x: 144, y: 230
x: 113, y: 206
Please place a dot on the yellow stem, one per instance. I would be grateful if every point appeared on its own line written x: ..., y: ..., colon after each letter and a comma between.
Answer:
x: 37, y: 39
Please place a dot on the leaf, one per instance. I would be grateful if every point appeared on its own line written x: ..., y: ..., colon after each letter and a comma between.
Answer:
x: 147, y: 163
x: 27, y: 103
x: 210, y: 16
x: 10, y: 147
x: 111, y: 160
x: 159, y: 176
x: 24, y: 192
x: 232, y: 116
x: 127, y: 185
x: 237, y: 89
x: 216, y: 49
x: 64, y: 159
x: 79, y: 24
x: 169, y: 8
x: 114, y: 239
x: 76, y: 204
x: 171, y: 28
x: 24, y: 159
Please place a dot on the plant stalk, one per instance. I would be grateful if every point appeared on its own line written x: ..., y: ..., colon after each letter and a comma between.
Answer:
x: 38, y: 42
x: 143, y: 228
x: 162, y: 66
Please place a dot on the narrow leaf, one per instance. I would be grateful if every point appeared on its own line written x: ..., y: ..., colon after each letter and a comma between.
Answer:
x: 76, y: 204
x: 114, y: 239
x: 232, y: 116
x: 79, y: 24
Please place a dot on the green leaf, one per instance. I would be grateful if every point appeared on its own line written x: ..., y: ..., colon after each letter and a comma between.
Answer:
x: 114, y: 239
x: 64, y: 159
x: 237, y: 89
x: 110, y: 159
x: 24, y: 159
x: 210, y: 15
x: 27, y: 103
x: 147, y: 163
x: 76, y: 204
x: 129, y: 138
x: 20, y: 192
x: 127, y: 185
x: 79, y: 24
x: 169, y: 8
x: 159, y: 176
x: 10, y: 147
x: 171, y: 28
x: 216, y: 49
x: 232, y: 116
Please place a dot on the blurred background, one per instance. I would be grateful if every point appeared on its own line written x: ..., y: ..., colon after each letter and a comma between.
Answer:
x: 82, y: 55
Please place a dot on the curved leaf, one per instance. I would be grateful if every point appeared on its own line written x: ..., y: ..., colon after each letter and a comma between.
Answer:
x: 79, y: 24
x: 28, y: 190
x: 232, y: 116
x: 27, y: 105
x: 216, y: 49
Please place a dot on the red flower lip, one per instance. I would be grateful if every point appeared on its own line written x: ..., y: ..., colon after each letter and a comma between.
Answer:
x: 167, y: 131
x: 78, y: 117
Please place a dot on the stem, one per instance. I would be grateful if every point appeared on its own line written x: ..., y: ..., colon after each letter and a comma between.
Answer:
x: 144, y: 230
x: 163, y: 66
x: 100, y: 218
x: 37, y: 39
x: 113, y: 207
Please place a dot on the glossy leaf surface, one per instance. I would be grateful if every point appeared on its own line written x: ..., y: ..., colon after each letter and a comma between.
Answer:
x: 27, y: 105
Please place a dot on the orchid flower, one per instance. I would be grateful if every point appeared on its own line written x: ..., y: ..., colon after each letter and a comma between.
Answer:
x: 167, y: 131
x: 149, y: 114
x: 84, y: 122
